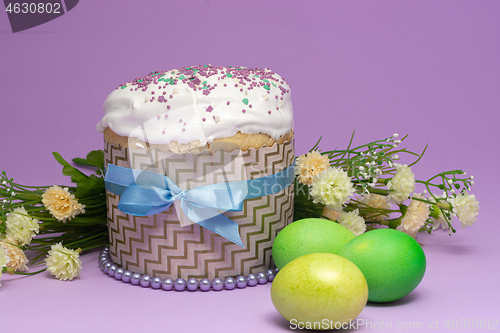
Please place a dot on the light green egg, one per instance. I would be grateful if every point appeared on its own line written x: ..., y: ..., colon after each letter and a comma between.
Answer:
x: 309, y: 236
x: 392, y: 262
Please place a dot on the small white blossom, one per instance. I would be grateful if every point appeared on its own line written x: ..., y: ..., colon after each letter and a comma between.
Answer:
x: 402, y: 184
x: 21, y: 227
x: 415, y: 217
x: 353, y: 221
x: 63, y: 263
x: 465, y: 207
x: 332, y: 187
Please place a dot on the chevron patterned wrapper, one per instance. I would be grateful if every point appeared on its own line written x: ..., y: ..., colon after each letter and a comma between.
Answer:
x: 146, y: 193
x: 169, y: 245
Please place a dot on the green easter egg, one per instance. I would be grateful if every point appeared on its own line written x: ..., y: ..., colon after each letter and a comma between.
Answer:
x: 309, y: 236
x: 319, y: 291
x: 392, y: 262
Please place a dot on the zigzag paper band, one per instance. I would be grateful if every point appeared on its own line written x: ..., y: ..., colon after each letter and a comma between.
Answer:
x: 159, y: 245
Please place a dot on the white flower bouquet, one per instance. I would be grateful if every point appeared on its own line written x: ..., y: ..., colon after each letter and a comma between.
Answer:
x: 65, y: 220
x: 364, y: 187
x: 361, y: 188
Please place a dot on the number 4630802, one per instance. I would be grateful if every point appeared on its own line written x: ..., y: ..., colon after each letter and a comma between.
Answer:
x: 40, y: 8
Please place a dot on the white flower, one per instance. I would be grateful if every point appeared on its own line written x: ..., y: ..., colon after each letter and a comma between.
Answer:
x: 63, y: 263
x: 332, y: 187
x: 402, y: 184
x: 466, y: 207
x: 61, y: 204
x: 21, y: 227
x: 309, y: 165
x: 415, y: 217
x: 4, y: 260
x: 353, y: 221
x: 17, y: 258
x: 376, y: 201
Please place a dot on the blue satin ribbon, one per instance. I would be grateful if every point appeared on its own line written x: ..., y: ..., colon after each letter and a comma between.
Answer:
x: 147, y: 193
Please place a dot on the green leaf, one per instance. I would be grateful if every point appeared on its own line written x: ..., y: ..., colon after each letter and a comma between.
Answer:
x: 92, y: 185
x: 69, y: 170
x: 96, y: 158
x: 81, y: 161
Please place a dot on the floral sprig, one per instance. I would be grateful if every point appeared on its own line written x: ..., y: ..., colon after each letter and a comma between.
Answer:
x: 361, y: 187
x: 73, y: 216
x: 375, y: 186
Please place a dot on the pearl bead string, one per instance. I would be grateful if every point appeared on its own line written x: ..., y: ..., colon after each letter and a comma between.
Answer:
x: 192, y: 284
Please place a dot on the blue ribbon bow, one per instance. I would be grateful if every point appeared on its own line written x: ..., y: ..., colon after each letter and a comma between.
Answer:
x: 147, y: 193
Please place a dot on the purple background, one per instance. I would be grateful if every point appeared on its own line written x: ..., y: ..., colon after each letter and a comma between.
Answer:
x: 430, y: 69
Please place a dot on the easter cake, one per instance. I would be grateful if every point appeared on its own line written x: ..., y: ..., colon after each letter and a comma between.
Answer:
x: 198, y: 127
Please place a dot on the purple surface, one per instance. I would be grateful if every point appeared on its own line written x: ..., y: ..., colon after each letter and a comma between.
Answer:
x: 430, y: 69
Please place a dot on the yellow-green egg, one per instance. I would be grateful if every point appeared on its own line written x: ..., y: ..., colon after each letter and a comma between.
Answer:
x: 392, y: 262
x: 309, y: 236
x: 320, y: 290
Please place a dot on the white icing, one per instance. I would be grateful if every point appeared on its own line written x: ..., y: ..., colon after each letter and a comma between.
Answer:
x: 133, y: 114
